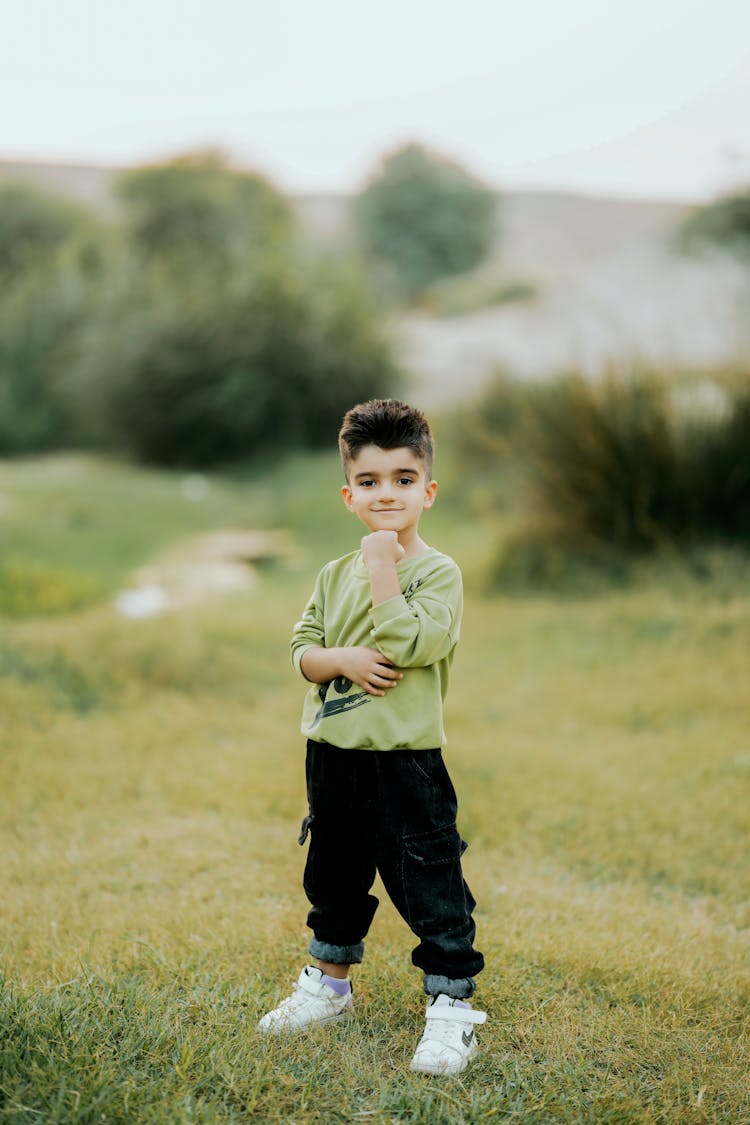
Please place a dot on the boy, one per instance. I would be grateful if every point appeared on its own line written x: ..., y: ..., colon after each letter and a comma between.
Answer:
x: 376, y: 642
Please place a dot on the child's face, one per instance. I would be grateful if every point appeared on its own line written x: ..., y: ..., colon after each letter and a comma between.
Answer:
x: 387, y: 489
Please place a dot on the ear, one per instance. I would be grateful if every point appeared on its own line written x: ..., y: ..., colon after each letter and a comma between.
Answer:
x: 346, y: 492
x: 429, y: 494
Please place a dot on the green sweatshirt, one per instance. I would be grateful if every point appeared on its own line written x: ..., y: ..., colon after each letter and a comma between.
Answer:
x: 417, y: 631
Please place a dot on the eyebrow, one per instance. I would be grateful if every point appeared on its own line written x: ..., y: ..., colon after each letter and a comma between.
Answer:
x: 396, y: 473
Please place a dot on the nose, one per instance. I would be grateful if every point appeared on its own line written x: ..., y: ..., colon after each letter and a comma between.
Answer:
x: 385, y: 492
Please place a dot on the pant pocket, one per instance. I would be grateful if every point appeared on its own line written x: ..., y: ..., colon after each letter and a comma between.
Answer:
x: 427, y: 765
x: 304, y: 830
x: 434, y: 889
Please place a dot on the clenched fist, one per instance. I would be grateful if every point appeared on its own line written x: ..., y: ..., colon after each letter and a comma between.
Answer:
x: 381, y: 547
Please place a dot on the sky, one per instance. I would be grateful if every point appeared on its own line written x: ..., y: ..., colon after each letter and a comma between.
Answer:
x: 634, y: 98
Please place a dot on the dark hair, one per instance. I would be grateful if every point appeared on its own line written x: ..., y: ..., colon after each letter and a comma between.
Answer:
x: 389, y: 424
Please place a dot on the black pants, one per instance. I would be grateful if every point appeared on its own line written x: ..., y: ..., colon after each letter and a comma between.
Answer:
x: 394, y: 812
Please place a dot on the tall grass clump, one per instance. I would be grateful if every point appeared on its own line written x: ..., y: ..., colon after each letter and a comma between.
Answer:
x: 616, y: 468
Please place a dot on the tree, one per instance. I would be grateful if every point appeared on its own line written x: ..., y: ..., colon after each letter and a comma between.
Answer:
x: 190, y: 332
x: 34, y: 226
x: 227, y: 344
x: 50, y: 260
x: 424, y: 217
x: 200, y: 217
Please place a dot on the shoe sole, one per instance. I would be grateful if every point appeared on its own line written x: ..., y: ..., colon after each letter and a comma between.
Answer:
x: 279, y: 1027
x: 436, y: 1068
x: 444, y: 1071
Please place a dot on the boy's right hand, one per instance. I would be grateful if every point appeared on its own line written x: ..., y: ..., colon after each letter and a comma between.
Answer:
x: 369, y: 669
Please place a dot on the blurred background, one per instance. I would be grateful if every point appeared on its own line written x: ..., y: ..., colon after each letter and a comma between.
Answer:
x: 216, y: 233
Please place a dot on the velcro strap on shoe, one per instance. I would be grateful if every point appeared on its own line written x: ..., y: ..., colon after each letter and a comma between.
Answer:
x: 457, y: 1015
x: 307, y: 984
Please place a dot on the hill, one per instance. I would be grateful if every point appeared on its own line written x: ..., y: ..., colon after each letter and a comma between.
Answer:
x: 609, y: 285
x: 88, y: 183
x: 544, y: 233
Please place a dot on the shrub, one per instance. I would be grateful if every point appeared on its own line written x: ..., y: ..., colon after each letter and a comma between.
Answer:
x: 271, y: 368
x: 632, y: 463
x: 715, y: 453
x: 537, y: 557
x: 487, y: 431
x: 604, y: 461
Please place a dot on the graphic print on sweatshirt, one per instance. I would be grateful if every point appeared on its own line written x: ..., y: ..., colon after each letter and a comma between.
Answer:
x: 342, y: 685
x: 342, y: 703
x: 412, y: 588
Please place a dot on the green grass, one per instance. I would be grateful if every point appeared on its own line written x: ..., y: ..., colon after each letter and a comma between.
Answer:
x: 151, y: 790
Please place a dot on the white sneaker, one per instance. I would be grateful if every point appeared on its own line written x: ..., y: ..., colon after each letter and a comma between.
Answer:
x: 311, y: 1004
x: 449, y: 1040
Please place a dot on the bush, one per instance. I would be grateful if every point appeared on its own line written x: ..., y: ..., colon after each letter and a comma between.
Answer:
x: 423, y: 217
x: 605, y: 463
x: 268, y: 369
x: 537, y: 557
x: 715, y: 453
x: 632, y: 463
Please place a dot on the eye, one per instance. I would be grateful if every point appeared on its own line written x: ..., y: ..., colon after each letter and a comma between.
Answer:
x: 406, y: 480
x: 366, y: 483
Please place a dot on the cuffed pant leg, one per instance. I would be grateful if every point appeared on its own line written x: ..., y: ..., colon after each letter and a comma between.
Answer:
x: 460, y: 989
x: 336, y: 954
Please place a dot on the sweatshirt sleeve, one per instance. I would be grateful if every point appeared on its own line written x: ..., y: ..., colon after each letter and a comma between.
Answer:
x: 309, y: 631
x: 421, y: 629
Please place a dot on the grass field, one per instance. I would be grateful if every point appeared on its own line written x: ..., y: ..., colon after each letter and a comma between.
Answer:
x: 151, y: 792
